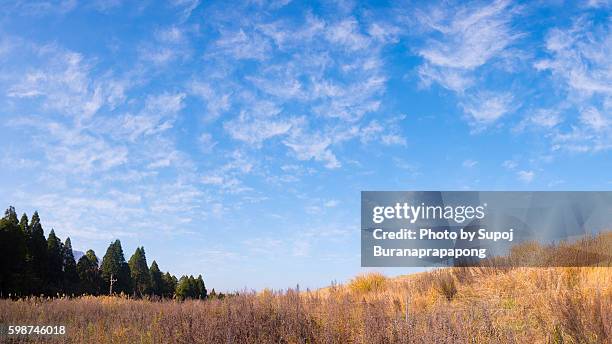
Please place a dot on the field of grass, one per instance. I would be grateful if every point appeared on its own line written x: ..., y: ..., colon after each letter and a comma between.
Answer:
x: 459, y: 305
x: 452, y: 305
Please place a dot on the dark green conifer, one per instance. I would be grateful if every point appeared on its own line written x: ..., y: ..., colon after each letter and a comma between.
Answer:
x: 139, y: 271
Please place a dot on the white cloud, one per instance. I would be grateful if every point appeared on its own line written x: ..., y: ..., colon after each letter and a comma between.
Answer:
x: 464, y: 39
x: 464, y: 45
x: 62, y: 82
x: 262, y: 121
x: 307, y: 146
x: 331, y: 203
x: 393, y: 140
x: 580, y: 65
x: 188, y: 6
x: 242, y: 45
x: 207, y: 143
x: 510, y: 164
x: 216, y: 102
x: 592, y: 118
x: 168, y: 44
x: 165, y: 103
x: 469, y: 163
x: 318, y: 151
x: 73, y: 150
x: 598, y: 3
x: 229, y: 176
x: 525, y: 176
x: 546, y: 118
x: 157, y: 116
x: 105, y: 5
x: 45, y: 7
x: 371, y: 131
x: 453, y: 80
x: 486, y: 108
x: 542, y: 118
x: 346, y: 33
x: 328, y: 72
x: 171, y: 34
x: 580, y: 58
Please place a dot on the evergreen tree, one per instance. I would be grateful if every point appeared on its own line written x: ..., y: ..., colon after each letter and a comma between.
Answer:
x: 141, y: 278
x: 191, y: 288
x: 71, y: 277
x: 36, y: 258
x: 200, y: 288
x: 169, y: 285
x: 11, y: 216
x: 184, y: 288
x: 90, y: 279
x: 24, y: 224
x: 55, y: 263
x: 13, y: 250
x: 157, y: 283
x: 31, y: 264
x: 113, y: 264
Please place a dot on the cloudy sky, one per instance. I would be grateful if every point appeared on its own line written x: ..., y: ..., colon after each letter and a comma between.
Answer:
x: 233, y: 139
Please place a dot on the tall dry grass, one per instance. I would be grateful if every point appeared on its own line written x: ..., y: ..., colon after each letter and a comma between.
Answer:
x: 536, y: 305
x: 454, y: 305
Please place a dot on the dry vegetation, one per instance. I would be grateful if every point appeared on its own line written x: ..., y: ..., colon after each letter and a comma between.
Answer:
x: 457, y: 305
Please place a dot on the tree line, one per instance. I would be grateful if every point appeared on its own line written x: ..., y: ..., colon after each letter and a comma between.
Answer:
x: 31, y: 264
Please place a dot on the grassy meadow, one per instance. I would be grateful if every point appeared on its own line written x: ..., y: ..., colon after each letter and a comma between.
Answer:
x: 456, y: 305
x: 494, y: 304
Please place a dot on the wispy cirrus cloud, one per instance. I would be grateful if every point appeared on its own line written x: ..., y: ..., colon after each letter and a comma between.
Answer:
x: 579, y: 62
x: 61, y: 82
x: 463, y: 44
x: 465, y: 38
x: 486, y: 108
x: 324, y: 71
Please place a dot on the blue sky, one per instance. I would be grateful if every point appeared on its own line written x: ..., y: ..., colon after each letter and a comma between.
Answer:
x: 233, y: 139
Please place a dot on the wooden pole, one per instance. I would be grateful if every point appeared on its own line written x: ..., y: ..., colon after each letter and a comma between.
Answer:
x: 112, y: 281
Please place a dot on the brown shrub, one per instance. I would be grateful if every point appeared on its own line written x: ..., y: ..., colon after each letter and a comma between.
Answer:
x: 445, y: 284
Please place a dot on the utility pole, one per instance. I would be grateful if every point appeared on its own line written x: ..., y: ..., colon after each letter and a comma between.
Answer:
x: 112, y: 281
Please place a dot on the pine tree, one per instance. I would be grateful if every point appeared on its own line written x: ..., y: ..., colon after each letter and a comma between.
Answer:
x: 71, y: 277
x: 55, y: 264
x: 90, y: 280
x: 141, y: 278
x: 113, y: 264
x: 157, y: 283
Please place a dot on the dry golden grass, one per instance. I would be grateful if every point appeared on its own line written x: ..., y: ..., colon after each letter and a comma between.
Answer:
x: 453, y: 305
x: 366, y: 283
x: 537, y: 305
